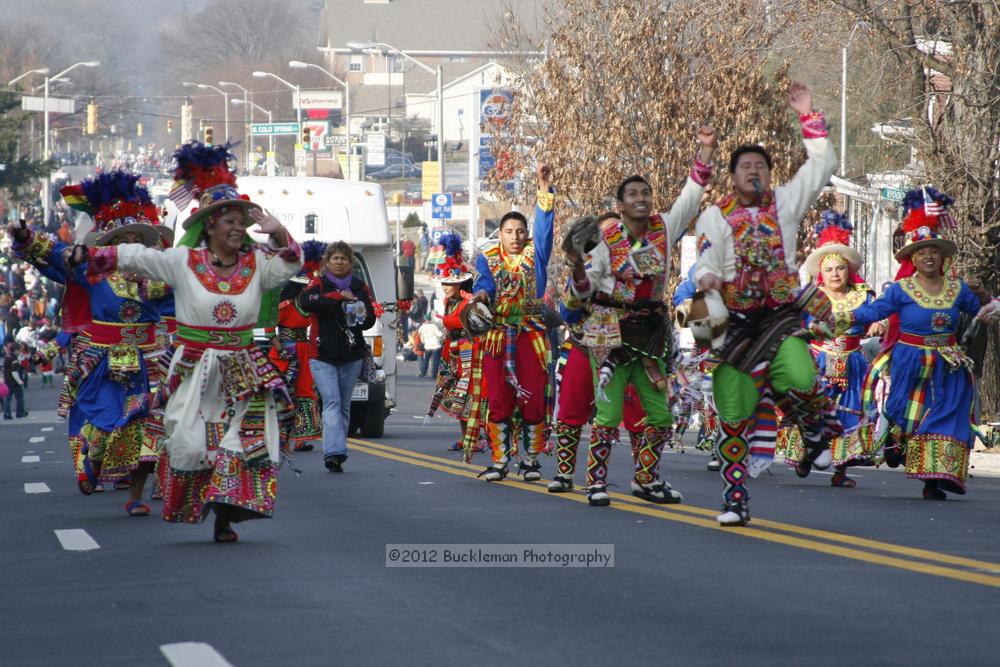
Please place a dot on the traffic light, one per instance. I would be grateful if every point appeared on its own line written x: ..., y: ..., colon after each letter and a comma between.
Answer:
x: 208, y: 135
x: 170, y: 126
x: 91, y: 118
x: 305, y: 135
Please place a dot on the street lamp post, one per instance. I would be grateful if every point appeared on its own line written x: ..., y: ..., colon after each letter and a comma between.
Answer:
x: 225, y: 97
x: 843, y: 98
x: 246, y: 127
x: 346, y: 83
x: 41, y: 70
x: 270, y: 121
x: 298, y: 104
x: 438, y: 72
x: 46, y: 196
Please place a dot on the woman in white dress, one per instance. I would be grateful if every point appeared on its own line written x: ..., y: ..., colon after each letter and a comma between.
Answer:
x: 222, y: 395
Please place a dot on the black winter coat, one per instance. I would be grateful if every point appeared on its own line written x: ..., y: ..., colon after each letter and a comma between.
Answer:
x: 337, y: 344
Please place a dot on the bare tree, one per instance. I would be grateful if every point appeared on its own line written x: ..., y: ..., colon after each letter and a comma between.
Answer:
x: 626, y: 84
x: 236, y: 32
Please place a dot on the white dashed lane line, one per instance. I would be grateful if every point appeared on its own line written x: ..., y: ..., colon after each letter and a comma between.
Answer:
x: 193, y: 654
x: 30, y: 459
x: 45, y: 429
x: 37, y: 438
x: 36, y: 487
x: 76, y: 539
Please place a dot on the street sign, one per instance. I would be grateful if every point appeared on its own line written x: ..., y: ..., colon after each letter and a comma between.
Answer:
x: 441, y: 206
x: 375, y: 153
x: 56, y: 104
x: 430, y: 181
x: 318, y: 99
x: 893, y: 194
x: 340, y: 140
x: 274, y: 128
x: 437, y: 233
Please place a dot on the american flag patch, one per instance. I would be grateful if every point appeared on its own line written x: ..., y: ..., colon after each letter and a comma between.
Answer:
x: 182, y: 195
x: 703, y: 244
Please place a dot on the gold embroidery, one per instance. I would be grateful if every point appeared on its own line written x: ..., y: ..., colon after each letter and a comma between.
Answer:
x: 944, y: 299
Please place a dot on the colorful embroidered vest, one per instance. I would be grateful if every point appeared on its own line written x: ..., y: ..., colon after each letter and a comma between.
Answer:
x: 516, y: 290
x: 762, y: 278
x: 651, y: 264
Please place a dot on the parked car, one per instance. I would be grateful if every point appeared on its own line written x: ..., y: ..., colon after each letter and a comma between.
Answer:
x: 396, y: 171
x: 459, y: 194
x: 414, y: 194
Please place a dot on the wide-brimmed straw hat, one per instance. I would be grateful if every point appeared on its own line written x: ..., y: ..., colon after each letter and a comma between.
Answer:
x: 833, y: 237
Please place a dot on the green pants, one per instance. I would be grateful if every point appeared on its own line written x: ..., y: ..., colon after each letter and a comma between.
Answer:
x: 654, y: 401
x: 736, y: 395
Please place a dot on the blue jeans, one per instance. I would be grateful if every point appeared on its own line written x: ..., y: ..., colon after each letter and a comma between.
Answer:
x: 431, y: 358
x: 335, y: 383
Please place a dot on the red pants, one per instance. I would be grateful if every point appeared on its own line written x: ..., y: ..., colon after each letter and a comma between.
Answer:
x: 576, y: 395
x: 531, y: 375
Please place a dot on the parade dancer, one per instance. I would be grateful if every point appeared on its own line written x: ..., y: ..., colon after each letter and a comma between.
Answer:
x: 222, y: 396
x: 575, y: 380
x: 459, y: 381
x: 511, y: 275
x: 626, y: 332
x: 113, y: 369
x: 293, y: 330
x: 693, y: 379
x: 747, y: 243
x: 842, y: 365
x: 930, y: 405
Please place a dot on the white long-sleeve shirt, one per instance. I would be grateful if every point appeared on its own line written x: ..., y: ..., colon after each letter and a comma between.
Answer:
x: 716, y: 252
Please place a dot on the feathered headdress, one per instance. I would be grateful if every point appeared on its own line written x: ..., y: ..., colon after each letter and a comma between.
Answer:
x: 312, y: 255
x: 117, y: 204
x: 453, y: 268
x: 833, y: 238
x: 198, y: 168
x: 925, y: 213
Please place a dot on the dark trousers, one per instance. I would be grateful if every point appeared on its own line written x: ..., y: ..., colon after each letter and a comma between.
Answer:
x: 16, y: 394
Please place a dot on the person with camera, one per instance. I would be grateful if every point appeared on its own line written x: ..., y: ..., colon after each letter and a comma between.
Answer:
x: 343, y: 309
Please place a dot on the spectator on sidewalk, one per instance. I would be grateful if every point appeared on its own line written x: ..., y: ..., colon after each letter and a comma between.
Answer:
x: 432, y: 336
x: 12, y: 378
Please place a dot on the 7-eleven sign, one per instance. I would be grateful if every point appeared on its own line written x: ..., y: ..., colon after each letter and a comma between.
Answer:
x: 317, y: 134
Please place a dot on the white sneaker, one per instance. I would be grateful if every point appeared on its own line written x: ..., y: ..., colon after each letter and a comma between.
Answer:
x: 598, y: 496
x: 560, y: 484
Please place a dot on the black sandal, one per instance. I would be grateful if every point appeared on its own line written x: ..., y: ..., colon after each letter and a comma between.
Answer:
x: 226, y: 534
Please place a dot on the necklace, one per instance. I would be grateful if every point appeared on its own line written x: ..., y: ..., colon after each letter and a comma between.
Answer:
x: 218, y: 262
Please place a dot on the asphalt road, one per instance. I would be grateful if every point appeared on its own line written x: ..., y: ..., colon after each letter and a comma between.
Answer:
x: 822, y: 576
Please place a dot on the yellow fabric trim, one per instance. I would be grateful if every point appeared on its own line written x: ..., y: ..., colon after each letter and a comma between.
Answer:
x: 545, y: 200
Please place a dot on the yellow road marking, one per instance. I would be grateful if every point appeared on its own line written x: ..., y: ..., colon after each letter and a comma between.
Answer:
x: 683, y: 514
